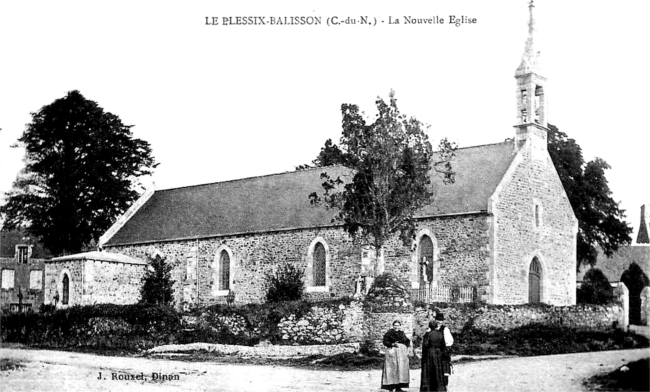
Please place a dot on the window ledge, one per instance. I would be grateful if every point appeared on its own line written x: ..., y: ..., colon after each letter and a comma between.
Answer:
x: 220, y: 293
x: 318, y: 289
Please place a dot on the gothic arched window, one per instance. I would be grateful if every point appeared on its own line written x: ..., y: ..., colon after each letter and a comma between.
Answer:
x: 224, y: 271
x: 425, y: 259
x: 319, y: 265
x: 534, y: 282
x: 66, y: 290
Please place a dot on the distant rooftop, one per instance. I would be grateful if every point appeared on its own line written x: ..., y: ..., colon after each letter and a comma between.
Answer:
x: 10, y: 238
x: 99, y: 256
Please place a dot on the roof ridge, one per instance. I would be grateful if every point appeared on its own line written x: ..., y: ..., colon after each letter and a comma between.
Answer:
x: 485, y: 145
x: 303, y: 170
x: 246, y: 178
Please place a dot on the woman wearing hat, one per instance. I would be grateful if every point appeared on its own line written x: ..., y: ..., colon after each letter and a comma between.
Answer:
x: 435, y: 356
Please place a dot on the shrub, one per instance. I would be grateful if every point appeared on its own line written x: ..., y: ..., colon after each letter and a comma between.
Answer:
x: 595, y: 288
x: 157, y: 286
x: 110, y: 326
x: 285, y: 284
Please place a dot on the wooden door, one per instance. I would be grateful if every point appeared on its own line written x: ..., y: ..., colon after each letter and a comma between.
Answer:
x: 534, y: 282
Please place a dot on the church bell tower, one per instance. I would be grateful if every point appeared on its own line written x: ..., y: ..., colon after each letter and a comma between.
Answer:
x: 532, y: 110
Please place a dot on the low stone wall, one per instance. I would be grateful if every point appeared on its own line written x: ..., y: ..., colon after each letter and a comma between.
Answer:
x: 269, y: 351
x: 321, y: 325
x: 486, y: 317
x: 235, y: 323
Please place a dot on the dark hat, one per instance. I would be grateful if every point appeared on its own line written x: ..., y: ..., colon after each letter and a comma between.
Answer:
x: 440, y: 316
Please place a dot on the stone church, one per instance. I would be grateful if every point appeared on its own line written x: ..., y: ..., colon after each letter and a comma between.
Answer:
x: 505, y: 228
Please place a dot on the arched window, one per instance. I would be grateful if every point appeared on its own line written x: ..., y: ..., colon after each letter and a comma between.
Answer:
x: 224, y: 271
x: 66, y: 290
x: 319, y: 265
x: 534, y: 282
x: 425, y: 259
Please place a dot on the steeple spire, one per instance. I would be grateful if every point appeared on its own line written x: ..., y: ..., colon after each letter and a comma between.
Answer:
x: 530, y: 59
x: 532, y: 108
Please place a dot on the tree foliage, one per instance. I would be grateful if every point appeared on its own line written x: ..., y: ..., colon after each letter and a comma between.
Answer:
x: 157, y: 285
x: 286, y: 283
x: 391, y: 160
x: 81, y: 169
x: 330, y: 154
x: 601, y: 221
x: 595, y: 288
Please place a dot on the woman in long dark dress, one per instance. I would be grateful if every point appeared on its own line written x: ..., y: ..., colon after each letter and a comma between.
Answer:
x: 433, y: 347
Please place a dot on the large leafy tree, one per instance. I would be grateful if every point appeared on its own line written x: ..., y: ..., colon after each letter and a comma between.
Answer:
x: 601, y: 220
x: 391, y: 160
x: 81, y: 170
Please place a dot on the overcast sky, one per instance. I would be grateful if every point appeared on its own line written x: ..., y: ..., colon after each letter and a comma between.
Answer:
x: 225, y: 102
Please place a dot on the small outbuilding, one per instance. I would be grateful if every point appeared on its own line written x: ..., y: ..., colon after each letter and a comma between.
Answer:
x: 93, y: 278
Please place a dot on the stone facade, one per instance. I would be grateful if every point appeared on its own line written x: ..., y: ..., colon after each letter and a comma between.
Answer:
x: 251, y: 256
x: 27, y: 288
x: 461, y: 258
x: 92, y: 281
x: 22, y: 271
x: 532, y: 219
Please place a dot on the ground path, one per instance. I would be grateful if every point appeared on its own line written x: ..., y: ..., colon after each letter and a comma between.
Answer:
x: 66, y: 371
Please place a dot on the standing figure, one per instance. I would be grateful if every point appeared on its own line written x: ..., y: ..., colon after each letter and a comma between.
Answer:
x: 395, y: 375
x: 436, y: 362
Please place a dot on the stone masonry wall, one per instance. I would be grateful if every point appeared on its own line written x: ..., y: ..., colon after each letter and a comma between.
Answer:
x: 462, y: 248
x: 94, y: 282
x: 486, y: 317
x: 54, y: 282
x: 518, y: 237
x: 116, y: 283
x: 461, y: 252
x: 252, y: 256
x: 321, y: 325
x: 464, y: 254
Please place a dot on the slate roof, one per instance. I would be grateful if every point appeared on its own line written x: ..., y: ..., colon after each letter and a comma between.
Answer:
x: 280, y: 201
x: 99, y: 256
x: 614, y: 267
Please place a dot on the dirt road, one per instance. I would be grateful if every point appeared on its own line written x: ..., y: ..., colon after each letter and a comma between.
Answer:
x: 64, y: 371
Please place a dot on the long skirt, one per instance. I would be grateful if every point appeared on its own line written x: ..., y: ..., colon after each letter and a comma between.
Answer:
x: 396, y: 368
x: 432, y: 377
